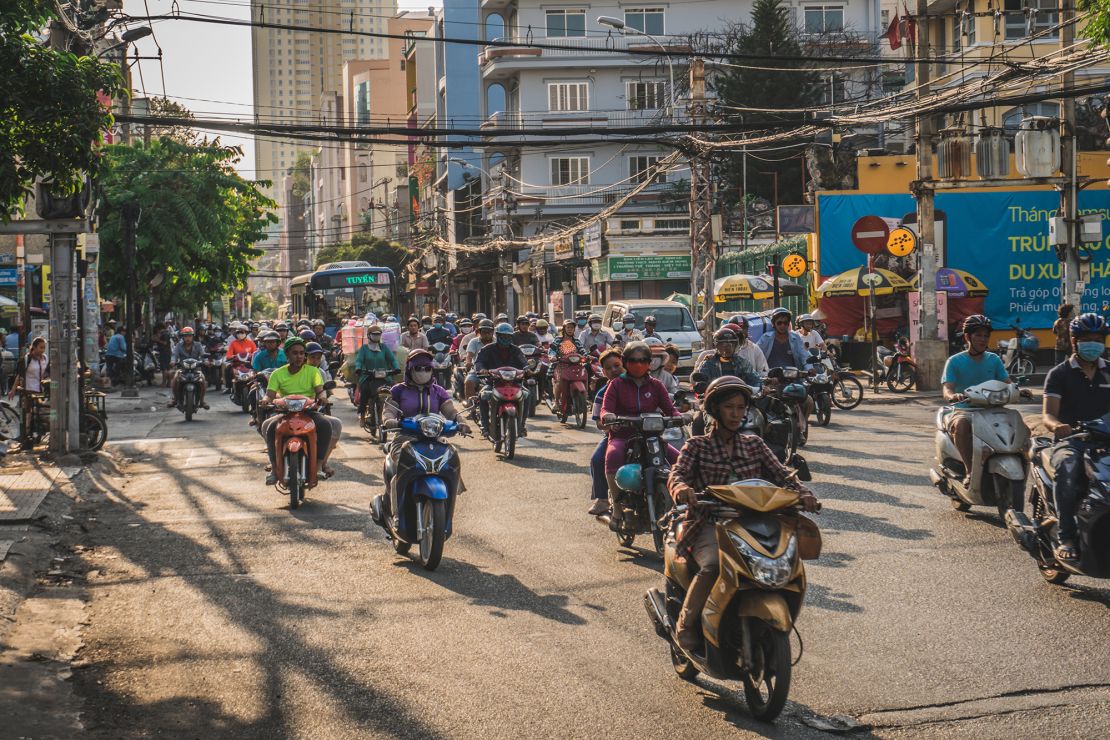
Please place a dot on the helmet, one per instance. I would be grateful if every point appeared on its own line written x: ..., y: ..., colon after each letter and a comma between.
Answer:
x: 308, y: 335
x: 452, y: 317
x: 521, y: 318
x: 649, y: 320
x: 738, y: 320
x: 724, y: 334
x: 313, y: 348
x: 531, y: 314
x: 977, y: 321
x: 317, y: 322
x: 806, y: 317
x: 630, y: 477
x: 721, y: 389
x: 485, y: 324
x: 503, y: 328
x: 654, y: 342
x: 187, y: 331
x: 595, y: 317
x: 780, y: 311
x: 415, y: 356
x: 269, y: 336
x: 629, y: 319
x: 502, y: 317
x: 581, y: 314
x: 292, y: 342
x: 542, y: 325
x: 282, y: 326
x: 465, y: 322
x: 426, y: 320
x: 479, y: 316
x: 1088, y: 323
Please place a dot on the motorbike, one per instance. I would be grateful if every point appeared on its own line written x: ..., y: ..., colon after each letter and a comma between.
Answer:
x: 334, y: 358
x: 189, y: 379
x: 819, y: 387
x: 442, y: 364
x: 573, y: 376
x: 241, y: 377
x: 1019, y: 354
x: 532, y: 355
x: 372, y: 420
x: 544, y: 374
x: 257, y: 392
x: 782, y: 400
x: 847, y: 390
x: 1038, y: 536
x: 753, y: 607
x: 459, y: 386
x: 420, y: 489
x: 896, y: 367
x: 505, y: 398
x: 643, y: 478
x: 999, y: 442
x: 214, y: 368
x: 295, y: 447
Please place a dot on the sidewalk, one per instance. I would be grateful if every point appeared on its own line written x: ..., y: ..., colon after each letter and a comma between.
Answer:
x: 24, y: 483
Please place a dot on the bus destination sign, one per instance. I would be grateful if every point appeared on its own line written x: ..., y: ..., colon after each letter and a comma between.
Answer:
x: 366, y: 279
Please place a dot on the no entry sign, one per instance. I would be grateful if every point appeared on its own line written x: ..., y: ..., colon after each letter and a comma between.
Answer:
x: 870, y: 233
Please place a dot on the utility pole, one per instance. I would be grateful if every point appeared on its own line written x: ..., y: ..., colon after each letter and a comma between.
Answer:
x: 130, y: 212
x: 928, y: 349
x: 702, y: 262
x: 1075, y: 274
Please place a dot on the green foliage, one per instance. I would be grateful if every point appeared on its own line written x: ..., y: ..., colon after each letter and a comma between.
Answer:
x: 262, y: 306
x: 1098, y: 22
x: 50, y: 115
x: 302, y: 174
x: 378, y: 252
x: 166, y: 108
x: 198, y: 224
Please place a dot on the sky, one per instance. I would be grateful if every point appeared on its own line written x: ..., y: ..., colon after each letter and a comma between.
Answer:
x: 206, y: 67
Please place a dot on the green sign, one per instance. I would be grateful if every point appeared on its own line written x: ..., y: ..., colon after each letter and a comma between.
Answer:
x: 368, y: 279
x: 650, y: 267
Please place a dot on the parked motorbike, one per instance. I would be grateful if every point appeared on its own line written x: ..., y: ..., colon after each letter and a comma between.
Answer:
x: 1038, y: 536
x: 189, y: 380
x: 643, y: 478
x: 999, y: 442
x: 748, y: 617
x: 572, y: 374
x: 421, y: 489
x: 896, y: 367
x: 241, y: 377
x: 505, y: 397
x: 295, y: 447
x: 1019, y: 354
x: 442, y: 364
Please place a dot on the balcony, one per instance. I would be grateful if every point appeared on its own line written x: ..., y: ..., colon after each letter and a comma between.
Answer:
x: 561, y: 198
x: 500, y: 60
x: 509, y: 120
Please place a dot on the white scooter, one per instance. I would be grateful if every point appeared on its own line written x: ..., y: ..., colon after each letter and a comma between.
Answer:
x: 1000, y: 441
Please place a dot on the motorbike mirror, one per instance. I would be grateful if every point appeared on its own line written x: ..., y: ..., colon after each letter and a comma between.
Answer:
x: 700, y: 386
x: 698, y: 377
x: 330, y: 385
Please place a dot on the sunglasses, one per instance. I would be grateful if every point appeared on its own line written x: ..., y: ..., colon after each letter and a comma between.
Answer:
x: 638, y: 361
x: 422, y: 368
x: 782, y: 323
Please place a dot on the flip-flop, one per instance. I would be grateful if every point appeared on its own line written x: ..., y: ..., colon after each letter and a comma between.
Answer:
x: 1066, y: 552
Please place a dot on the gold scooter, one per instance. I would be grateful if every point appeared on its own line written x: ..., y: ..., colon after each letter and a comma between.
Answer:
x: 746, y: 622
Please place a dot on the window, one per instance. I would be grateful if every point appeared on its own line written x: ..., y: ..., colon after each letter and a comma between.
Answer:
x: 568, y: 96
x: 570, y: 171
x: 645, y: 20
x: 645, y: 95
x: 640, y: 167
x: 566, y: 23
x: 824, y: 19
x: 1044, y: 17
x: 362, y: 103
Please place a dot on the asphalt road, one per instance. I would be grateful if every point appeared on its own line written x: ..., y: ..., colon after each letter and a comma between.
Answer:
x: 216, y: 611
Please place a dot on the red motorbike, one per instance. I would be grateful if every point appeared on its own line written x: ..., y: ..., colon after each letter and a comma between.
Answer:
x: 572, y: 374
x: 505, y: 401
x: 295, y: 447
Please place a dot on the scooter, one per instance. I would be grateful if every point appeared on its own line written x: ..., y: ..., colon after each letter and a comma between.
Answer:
x: 442, y: 365
x: 896, y: 367
x: 259, y: 411
x: 572, y: 374
x: 241, y: 377
x: 1019, y: 354
x: 751, y: 611
x: 214, y: 368
x: 643, y: 478
x: 999, y: 439
x: 532, y: 356
x: 421, y: 489
x: 295, y: 447
x: 505, y: 397
x: 189, y: 380
x: 372, y: 420
x: 1038, y: 536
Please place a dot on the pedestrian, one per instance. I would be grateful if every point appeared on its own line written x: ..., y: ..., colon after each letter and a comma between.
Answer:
x: 163, y: 342
x: 1062, y: 331
x: 30, y: 372
x: 115, y: 355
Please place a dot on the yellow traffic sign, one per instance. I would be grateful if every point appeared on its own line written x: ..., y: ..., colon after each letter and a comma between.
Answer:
x: 901, y: 242
x: 794, y: 265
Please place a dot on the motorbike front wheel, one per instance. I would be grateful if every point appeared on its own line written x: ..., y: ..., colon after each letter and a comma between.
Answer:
x: 847, y: 392
x: 434, y: 522
x: 1008, y: 494
x: 508, y: 436
x: 190, y: 406
x: 296, y: 485
x: 823, y: 408
x: 767, y: 680
x: 901, y: 377
x: 580, y: 410
x: 1023, y: 366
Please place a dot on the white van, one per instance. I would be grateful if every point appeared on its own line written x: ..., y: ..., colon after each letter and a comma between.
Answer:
x: 674, y: 324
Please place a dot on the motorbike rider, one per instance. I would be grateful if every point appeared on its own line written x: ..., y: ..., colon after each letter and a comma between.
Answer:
x: 484, y: 339
x: 783, y: 347
x: 1078, y: 389
x: 523, y: 334
x: 282, y: 330
x: 325, y: 341
x: 725, y: 361
x: 721, y: 456
x: 633, y: 393
x: 581, y: 319
x: 315, y: 354
x: 565, y: 344
x: 418, y: 394
x: 611, y: 367
x: 501, y: 353
x: 270, y: 355
x: 298, y: 378
x: 414, y: 338
x: 626, y: 330
x: 187, y: 349
x: 543, y: 332
x: 439, y: 331
x: 658, y: 359
x: 649, y: 328
x: 596, y: 338
x: 466, y: 329
x: 973, y: 366
x: 747, y: 349
x: 371, y: 356
x: 808, y: 331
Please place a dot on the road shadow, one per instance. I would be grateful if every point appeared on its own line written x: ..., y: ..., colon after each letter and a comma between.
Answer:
x: 839, y: 519
x: 1089, y: 593
x: 886, y: 477
x: 642, y: 556
x: 834, y: 559
x: 728, y: 700
x: 501, y: 593
x: 847, y: 492
x: 822, y: 597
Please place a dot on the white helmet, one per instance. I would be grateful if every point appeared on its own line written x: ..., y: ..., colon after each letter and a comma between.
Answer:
x: 805, y: 317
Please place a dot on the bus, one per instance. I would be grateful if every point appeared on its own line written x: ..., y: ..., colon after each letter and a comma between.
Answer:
x: 342, y: 290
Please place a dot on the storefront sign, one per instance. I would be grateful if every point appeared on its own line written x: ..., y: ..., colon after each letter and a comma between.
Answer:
x: 423, y: 287
x: 583, y: 278
x: 9, y: 277
x: 591, y: 241
x: 564, y: 248
x: 649, y: 267
x: 915, y: 314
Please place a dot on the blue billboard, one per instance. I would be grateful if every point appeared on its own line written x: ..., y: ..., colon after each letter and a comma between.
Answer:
x: 999, y: 237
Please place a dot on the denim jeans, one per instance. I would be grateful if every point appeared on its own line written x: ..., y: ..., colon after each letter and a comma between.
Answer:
x: 1070, y: 482
x: 597, y: 471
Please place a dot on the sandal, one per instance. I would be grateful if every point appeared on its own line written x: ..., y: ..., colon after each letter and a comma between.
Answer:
x: 327, y: 471
x: 1066, y: 551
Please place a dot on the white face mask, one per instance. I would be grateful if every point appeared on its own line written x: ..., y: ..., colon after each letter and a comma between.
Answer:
x: 656, y: 363
x: 618, y: 325
x: 595, y: 327
x: 420, y: 377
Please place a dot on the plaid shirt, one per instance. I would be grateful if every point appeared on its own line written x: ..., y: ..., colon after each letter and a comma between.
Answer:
x: 708, y: 461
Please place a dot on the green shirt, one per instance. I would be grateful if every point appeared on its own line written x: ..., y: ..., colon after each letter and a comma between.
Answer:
x: 302, y: 383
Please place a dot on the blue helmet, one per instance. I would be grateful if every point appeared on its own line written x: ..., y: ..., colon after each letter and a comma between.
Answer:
x: 1088, y: 323
x: 503, y: 328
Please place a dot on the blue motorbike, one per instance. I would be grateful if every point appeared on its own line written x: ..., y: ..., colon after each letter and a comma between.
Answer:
x: 422, y: 477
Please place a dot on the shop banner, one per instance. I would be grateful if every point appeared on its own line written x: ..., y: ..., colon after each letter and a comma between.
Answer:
x: 591, y: 241
x: 1001, y: 238
x: 649, y: 267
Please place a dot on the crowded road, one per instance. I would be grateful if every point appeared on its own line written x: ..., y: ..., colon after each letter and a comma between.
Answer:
x: 217, y: 610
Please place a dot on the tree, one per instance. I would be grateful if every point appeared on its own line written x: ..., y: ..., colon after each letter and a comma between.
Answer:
x: 198, y: 224
x: 262, y: 306
x: 1098, y: 21
x: 51, y: 110
x: 378, y: 252
x: 302, y: 174
x: 166, y: 108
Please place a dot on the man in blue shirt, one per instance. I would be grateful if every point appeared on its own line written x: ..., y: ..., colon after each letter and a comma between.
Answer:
x: 783, y: 347
x: 971, y: 367
x: 270, y: 355
x: 115, y: 354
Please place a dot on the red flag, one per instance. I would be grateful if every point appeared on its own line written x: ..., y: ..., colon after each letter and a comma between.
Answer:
x: 894, y: 33
x: 909, y: 33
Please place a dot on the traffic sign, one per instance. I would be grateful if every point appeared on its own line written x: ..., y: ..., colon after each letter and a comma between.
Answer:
x: 870, y: 233
x: 794, y: 265
x: 901, y: 242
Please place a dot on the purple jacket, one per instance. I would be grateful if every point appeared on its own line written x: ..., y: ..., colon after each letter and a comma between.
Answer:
x: 414, y: 400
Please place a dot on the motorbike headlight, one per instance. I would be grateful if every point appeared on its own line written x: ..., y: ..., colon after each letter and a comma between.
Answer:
x: 790, y: 372
x: 696, y: 346
x: 653, y: 423
x: 431, y: 426
x: 998, y: 398
x: 770, y: 572
x: 674, y: 434
x: 296, y: 404
x: 508, y: 374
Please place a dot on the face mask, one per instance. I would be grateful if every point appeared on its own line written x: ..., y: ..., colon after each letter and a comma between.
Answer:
x: 595, y: 326
x: 375, y: 339
x: 656, y: 363
x: 618, y: 325
x: 241, y: 335
x: 420, y: 376
x: 504, y: 340
x: 439, y: 325
x: 1089, y: 351
x: 636, y: 369
x: 581, y: 322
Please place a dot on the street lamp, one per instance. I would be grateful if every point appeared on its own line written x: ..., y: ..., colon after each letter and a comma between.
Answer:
x: 127, y: 37
x: 624, y: 29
